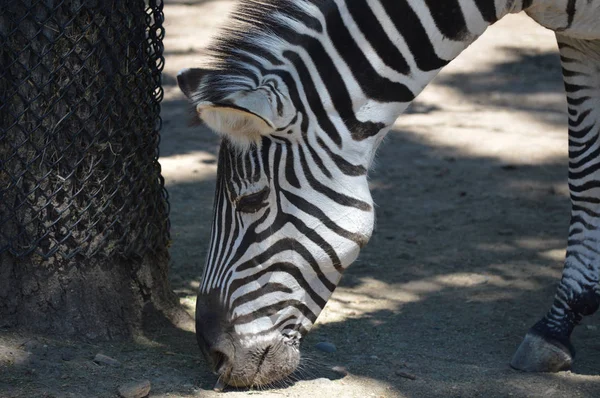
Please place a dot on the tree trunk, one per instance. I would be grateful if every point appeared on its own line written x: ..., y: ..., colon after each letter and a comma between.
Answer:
x: 83, y: 211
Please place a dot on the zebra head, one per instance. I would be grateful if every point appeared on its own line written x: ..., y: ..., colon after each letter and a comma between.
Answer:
x: 292, y: 210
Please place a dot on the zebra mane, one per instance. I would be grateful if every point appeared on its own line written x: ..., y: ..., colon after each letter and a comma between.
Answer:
x: 254, y: 27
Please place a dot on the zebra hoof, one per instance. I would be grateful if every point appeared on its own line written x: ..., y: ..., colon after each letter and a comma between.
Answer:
x: 541, y: 354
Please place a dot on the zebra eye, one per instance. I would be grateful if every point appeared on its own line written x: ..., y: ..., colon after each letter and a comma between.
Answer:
x: 253, y: 202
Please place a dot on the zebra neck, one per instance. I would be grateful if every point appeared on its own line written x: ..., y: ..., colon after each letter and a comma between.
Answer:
x: 406, y: 43
x: 384, y: 53
x: 350, y: 66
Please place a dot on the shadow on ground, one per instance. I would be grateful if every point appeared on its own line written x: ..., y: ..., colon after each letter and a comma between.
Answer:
x: 465, y: 257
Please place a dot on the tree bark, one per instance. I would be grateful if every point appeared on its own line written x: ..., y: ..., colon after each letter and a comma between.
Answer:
x: 95, y: 299
x: 83, y: 211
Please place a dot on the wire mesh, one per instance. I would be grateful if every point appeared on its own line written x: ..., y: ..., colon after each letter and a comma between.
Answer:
x: 80, y: 92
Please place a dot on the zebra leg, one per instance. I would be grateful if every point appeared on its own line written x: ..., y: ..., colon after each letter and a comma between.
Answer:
x: 547, y: 346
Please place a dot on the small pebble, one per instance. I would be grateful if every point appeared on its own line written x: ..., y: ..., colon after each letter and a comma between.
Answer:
x: 341, y: 370
x: 136, y: 389
x: 103, y: 359
x: 326, y: 347
x: 406, y: 375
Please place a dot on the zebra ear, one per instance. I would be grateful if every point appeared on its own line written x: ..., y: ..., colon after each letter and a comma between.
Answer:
x: 189, y: 80
x: 248, y: 114
x: 243, y: 115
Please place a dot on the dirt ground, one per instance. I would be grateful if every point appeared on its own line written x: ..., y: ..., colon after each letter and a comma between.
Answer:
x: 473, y: 213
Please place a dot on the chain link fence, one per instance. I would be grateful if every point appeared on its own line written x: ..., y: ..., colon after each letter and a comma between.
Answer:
x: 80, y: 92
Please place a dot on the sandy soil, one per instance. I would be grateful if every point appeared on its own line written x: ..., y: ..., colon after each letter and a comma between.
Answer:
x: 473, y: 213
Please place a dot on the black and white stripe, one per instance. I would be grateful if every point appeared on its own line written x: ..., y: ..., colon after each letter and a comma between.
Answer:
x: 293, y: 210
x: 578, y: 293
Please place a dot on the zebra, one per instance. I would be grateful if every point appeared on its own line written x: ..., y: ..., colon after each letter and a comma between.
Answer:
x: 303, y: 92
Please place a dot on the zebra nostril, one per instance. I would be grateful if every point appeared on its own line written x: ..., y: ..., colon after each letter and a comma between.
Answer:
x: 220, y: 360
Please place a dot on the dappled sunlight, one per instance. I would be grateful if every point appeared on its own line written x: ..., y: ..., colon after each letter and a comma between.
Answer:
x: 185, y: 289
x: 504, y: 144
x: 358, y: 301
x: 531, y: 37
x: 362, y: 387
x: 463, y: 279
x: 189, y: 31
x: 533, y: 243
x: 189, y: 167
x: 486, y: 103
x: 187, y: 296
x: 553, y: 384
x: 189, y: 304
x: 472, y: 205
x: 10, y: 356
x: 370, y: 386
x: 544, y: 248
x: 371, y: 295
x: 555, y: 254
x: 521, y: 277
